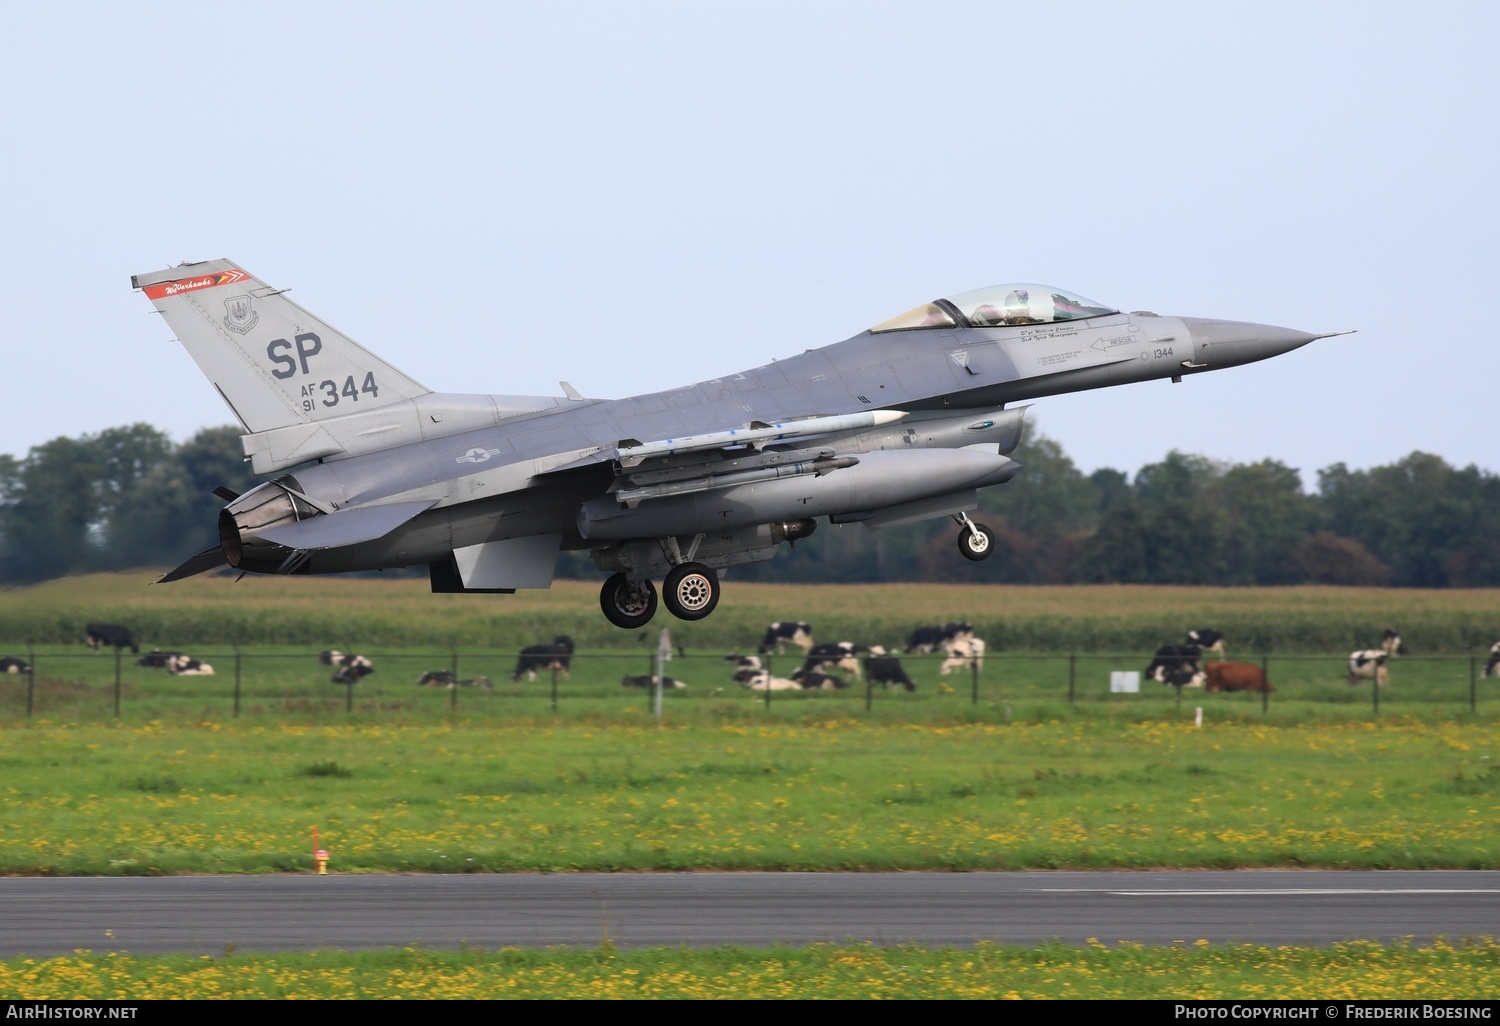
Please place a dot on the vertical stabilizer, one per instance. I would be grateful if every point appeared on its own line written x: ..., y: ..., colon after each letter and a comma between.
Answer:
x: 275, y: 364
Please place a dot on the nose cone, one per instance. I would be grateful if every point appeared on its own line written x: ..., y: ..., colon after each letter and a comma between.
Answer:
x: 1227, y: 343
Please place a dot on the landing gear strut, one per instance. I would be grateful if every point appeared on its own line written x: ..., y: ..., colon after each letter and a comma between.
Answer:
x: 628, y: 604
x: 975, y: 541
x: 690, y: 591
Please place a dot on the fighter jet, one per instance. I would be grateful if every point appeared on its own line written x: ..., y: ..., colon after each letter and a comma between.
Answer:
x: 902, y: 422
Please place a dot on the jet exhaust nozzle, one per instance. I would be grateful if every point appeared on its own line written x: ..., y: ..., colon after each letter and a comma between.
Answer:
x: 263, y: 507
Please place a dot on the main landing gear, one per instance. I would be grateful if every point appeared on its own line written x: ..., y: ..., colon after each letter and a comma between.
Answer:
x: 626, y: 603
x: 975, y: 541
x: 690, y: 592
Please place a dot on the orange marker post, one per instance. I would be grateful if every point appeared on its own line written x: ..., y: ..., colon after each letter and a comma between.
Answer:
x: 320, y: 855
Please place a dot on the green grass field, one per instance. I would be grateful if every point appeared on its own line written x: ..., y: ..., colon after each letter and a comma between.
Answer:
x: 287, y: 684
x: 606, y: 794
x: 401, y: 613
x: 1356, y: 971
x: 1035, y: 765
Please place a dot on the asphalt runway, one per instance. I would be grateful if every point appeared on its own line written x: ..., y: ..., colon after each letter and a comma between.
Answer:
x: 205, y: 915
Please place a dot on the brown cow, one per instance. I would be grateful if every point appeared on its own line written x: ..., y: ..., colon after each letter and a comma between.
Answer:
x: 1236, y: 677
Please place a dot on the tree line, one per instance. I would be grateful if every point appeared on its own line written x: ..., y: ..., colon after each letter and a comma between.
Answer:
x: 130, y: 497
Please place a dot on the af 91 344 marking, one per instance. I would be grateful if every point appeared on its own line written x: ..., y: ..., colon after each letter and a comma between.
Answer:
x: 332, y: 392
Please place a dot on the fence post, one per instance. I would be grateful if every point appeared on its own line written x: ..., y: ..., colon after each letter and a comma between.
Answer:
x: 974, y: 674
x: 869, y: 691
x: 1072, y: 674
x: 236, y: 681
x: 1375, y: 689
x: 554, y: 687
x: 1265, y: 676
x: 30, y: 677
x: 770, y: 676
x: 1473, y: 683
x: 453, y: 690
x: 117, y: 682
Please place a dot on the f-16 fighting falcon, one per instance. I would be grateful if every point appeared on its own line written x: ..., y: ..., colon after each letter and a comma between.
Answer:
x: 903, y: 422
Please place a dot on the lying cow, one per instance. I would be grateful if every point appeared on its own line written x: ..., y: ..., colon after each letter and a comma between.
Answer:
x: 762, y: 680
x: 744, y: 662
x: 812, y: 680
x: 10, y: 664
x: 1492, y: 664
x: 186, y: 666
x: 1207, y: 640
x: 1176, y: 665
x: 932, y: 639
x: 1236, y: 677
x: 843, y: 655
x: 886, y: 670
x: 963, y: 653
x: 156, y: 658
x: 446, y: 679
x: 786, y: 632
x: 647, y: 680
x: 536, y: 658
x: 351, y: 668
x: 1369, y: 664
x: 105, y: 635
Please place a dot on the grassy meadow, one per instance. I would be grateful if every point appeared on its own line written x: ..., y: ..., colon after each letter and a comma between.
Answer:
x: 1344, y: 972
x: 402, y: 613
x: 839, y: 793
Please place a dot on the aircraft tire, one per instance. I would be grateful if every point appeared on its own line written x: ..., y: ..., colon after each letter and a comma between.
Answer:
x: 976, y: 544
x: 627, y: 604
x: 690, y: 591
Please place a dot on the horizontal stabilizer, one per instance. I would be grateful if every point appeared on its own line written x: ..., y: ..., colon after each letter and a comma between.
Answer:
x: 208, y: 559
x: 346, y: 527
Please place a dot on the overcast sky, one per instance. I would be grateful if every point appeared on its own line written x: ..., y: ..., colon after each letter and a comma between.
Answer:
x: 633, y: 196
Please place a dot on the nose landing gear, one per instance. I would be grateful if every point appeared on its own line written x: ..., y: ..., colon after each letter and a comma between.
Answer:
x: 975, y: 541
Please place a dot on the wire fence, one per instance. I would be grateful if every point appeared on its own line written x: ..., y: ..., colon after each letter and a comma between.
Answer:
x: 59, y: 682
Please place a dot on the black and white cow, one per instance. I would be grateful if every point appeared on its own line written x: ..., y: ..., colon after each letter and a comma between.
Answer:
x: 1177, y: 666
x: 843, y: 655
x: 1492, y: 664
x: 786, y: 632
x: 10, y: 664
x: 109, y: 635
x: 885, y: 670
x: 647, y: 680
x: 1369, y: 664
x: 156, y: 658
x: 933, y: 639
x: 186, y: 666
x: 1208, y: 640
x: 763, y: 680
x: 1390, y: 642
x: 812, y: 680
x: 963, y: 653
x: 351, y: 668
x: 535, y: 658
x: 446, y: 679
x: 744, y: 662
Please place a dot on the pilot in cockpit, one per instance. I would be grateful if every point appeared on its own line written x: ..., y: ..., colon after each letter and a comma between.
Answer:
x: 1018, y: 308
x: 934, y: 317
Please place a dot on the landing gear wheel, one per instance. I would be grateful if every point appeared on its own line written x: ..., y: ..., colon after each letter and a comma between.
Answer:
x: 976, y: 542
x: 626, y: 603
x: 690, y: 591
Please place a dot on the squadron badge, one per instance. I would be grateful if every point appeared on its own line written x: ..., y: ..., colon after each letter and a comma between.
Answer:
x: 239, y: 315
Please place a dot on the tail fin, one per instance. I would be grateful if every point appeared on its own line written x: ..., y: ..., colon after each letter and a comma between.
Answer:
x: 275, y: 364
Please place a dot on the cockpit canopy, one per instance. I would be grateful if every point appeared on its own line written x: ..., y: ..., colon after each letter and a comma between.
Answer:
x: 998, y: 305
